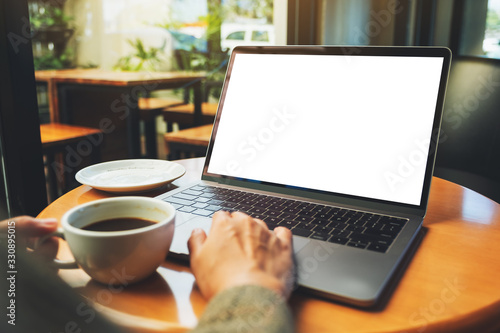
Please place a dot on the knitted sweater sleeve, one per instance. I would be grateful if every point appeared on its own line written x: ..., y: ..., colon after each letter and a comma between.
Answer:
x: 246, y: 309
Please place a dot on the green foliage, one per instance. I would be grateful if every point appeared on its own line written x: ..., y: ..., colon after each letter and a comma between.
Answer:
x: 169, y: 25
x: 192, y: 56
x: 492, y: 20
x: 214, y: 20
x: 141, y: 58
x: 50, y: 16
x: 51, y: 23
x: 51, y: 61
x: 253, y: 9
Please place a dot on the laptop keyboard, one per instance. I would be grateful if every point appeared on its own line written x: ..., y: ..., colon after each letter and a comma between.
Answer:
x: 358, y: 229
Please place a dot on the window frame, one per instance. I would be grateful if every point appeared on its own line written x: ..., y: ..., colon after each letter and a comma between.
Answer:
x: 457, y: 40
x: 21, y: 148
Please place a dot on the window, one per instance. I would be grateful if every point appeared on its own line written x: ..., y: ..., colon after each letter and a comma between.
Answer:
x: 475, y: 30
x: 260, y: 36
x: 238, y: 35
x: 491, y: 42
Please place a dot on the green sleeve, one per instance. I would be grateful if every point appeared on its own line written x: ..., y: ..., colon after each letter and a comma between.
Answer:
x: 246, y: 309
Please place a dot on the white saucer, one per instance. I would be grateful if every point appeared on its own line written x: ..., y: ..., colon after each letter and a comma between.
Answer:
x: 130, y: 175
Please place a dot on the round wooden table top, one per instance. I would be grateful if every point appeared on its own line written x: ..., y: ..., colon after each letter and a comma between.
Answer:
x: 451, y: 284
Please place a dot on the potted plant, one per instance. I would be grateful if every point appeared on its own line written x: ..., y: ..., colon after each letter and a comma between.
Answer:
x: 51, y: 31
x: 141, y: 59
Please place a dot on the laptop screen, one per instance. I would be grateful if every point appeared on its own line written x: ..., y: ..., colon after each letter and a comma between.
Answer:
x: 355, y: 125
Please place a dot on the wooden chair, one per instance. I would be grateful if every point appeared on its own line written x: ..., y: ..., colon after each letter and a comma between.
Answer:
x: 62, y: 143
x: 191, y: 142
x: 469, y: 144
x: 149, y: 109
x: 183, y: 114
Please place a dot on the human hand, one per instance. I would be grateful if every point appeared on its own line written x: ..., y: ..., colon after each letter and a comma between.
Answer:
x: 28, y: 229
x: 241, y: 250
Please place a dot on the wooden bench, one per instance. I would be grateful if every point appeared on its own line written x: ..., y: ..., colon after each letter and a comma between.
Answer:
x: 191, y: 142
x: 60, y: 140
x: 184, y: 114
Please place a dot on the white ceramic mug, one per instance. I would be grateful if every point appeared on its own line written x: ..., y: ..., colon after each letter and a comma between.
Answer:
x: 118, y: 257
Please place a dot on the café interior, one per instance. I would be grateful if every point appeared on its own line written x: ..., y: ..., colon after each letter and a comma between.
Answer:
x: 90, y: 81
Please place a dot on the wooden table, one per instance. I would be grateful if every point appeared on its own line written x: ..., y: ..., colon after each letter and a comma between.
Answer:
x: 108, y: 100
x: 452, y: 283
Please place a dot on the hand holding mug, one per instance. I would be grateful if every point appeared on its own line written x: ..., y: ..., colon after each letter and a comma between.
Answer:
x: 25, y: 230
x: 118, y: 240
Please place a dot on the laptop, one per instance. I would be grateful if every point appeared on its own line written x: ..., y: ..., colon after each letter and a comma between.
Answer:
x: 337, y: 144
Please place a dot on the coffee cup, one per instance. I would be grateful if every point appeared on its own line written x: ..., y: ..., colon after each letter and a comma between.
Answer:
x: 117, y: 240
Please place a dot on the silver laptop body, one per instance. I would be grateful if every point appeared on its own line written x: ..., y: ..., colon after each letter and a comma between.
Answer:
x: 339, y: 128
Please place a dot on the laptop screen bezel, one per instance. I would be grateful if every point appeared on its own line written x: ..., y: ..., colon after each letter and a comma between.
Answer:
x: 331, y: 197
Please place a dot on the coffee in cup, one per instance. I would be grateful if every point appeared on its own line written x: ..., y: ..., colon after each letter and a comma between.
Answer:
x: 118, y: 240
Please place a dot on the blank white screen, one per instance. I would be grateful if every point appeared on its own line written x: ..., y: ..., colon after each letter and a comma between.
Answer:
x: 356, y: 125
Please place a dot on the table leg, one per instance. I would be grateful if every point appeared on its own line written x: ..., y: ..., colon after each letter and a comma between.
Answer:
x: 53, y: 101
x: 134, y: 137
x: 197, y: 100
x: 150, y: 138
x: 51, y: 177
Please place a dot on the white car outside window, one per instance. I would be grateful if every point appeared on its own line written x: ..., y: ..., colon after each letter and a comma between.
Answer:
x: 234, y: 35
